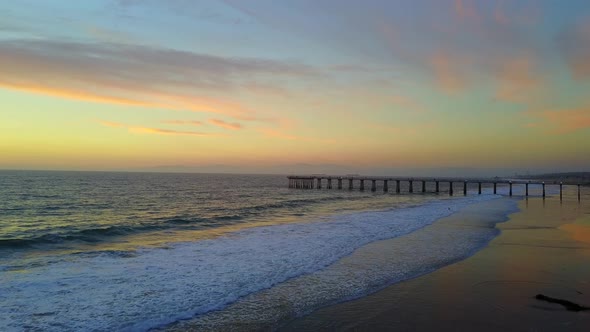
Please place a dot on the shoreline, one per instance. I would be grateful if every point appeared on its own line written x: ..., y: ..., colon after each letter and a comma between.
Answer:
x: 542, y: 249
x: 376, y: 265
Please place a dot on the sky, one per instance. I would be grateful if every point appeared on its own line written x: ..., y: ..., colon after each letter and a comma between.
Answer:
x: 373, y: 86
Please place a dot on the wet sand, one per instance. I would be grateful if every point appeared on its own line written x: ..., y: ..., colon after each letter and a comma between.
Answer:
x: 544, y: 249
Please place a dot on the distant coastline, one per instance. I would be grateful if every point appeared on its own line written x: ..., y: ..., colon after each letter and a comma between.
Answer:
x: 582, y: 178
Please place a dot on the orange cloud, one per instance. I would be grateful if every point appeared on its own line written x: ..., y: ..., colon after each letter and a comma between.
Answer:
x: 517, y: 79
x: 226, y: 125
x: 70, y: 94
x: 449, y: 76
x: 156, y: 131
x: 565, y: 121
x: 147, y: 98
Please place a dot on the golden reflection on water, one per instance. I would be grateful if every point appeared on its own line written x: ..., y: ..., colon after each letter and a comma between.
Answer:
x: 166, y: 238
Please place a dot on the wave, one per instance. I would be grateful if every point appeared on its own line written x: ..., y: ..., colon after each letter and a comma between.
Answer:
x: 102, y: 233
x: 92, y: 235
x: 160, y: 286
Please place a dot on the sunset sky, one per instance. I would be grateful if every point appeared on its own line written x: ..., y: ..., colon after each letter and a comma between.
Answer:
x: 252, y: 84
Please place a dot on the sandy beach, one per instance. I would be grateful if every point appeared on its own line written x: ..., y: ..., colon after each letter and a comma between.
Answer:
x: 543, y: 249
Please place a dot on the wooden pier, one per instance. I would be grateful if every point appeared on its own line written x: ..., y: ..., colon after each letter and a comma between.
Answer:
x: 317, y: 181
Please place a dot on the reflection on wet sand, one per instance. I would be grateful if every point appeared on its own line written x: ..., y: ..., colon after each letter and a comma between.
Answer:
x: 544, y: 249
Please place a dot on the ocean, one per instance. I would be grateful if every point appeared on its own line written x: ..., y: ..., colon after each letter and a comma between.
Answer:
x: 106, y: 251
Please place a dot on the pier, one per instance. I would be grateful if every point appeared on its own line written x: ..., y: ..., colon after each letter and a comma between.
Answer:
x: 317, y: 181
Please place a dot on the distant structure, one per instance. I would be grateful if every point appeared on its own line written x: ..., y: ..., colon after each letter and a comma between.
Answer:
x: 316, y: 181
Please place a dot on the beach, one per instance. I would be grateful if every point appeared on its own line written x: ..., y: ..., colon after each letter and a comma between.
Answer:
x: 543, y: 249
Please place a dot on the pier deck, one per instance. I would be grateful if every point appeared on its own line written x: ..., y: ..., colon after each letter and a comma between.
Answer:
x: 333, y: 182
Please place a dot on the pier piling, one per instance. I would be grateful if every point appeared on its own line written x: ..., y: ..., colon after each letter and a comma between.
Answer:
x: 315, y: 181
x: 561, y: 191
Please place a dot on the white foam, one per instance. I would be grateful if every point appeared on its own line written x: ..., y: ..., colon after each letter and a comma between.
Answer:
x: 368, y: 269
x: 159, y: 286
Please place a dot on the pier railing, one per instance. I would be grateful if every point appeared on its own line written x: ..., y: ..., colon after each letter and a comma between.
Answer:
x: 336, y: 182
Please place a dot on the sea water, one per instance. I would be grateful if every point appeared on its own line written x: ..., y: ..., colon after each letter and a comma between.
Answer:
x: 136, y: 251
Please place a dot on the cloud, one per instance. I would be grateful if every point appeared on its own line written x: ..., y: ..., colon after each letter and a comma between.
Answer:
x: 563, y: 121
x: 274, y: 133
x: 137, y: 75
x: 159, y: 131
x: 155, y: 131
x: 575, y: 47
x: 448, y: 72
x: 183, y: 122
x: 225, y: 125
x: 71, y: 94
x: 465, y: 9
x: 500, y: 14
x: 103, y: 34
x: 518, y: 79
x: 516, y: 73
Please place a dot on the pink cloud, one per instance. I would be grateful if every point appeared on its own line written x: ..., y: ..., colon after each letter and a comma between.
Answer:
x: 576, y: 50
x: 465, y: 9
x: 159, y: 131
x: 500, y: 14
x: 183, y: 122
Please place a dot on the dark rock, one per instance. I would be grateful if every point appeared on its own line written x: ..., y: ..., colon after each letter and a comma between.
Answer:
x: 571, y: 306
